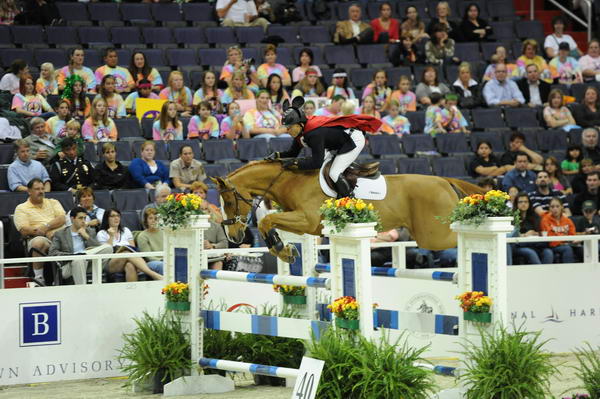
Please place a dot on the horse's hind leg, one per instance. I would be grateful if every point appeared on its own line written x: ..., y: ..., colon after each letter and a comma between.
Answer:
x: 294, y: 222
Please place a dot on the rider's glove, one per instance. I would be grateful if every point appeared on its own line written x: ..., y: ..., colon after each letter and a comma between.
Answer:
x: 272, y: 156
x: 289, y: 163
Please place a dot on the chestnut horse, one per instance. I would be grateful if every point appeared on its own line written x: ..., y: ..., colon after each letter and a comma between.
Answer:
x: 413, y: 201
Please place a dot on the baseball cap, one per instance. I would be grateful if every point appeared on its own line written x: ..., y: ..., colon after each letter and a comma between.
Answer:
x: 564, y: 46
x: 588, y: 205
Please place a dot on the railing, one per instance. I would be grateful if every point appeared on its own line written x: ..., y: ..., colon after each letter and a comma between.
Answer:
x: 587, y: 25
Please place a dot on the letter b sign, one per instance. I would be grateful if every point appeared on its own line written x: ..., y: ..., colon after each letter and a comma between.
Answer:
x: 40, y: 323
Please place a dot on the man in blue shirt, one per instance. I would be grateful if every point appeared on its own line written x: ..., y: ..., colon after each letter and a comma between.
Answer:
x: 520, y: 176
x: 23, y: 169
x: 501, y: 91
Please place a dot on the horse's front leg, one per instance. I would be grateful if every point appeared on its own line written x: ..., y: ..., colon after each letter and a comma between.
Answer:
x: 294, y: 222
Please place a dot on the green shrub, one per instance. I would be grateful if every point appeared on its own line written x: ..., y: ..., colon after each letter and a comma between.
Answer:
x: 589, y: 369
x: 507, y: 365
x: 358, y: 368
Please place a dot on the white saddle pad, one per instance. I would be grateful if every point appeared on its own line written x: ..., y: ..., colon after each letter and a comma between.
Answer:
x: 367, y: 189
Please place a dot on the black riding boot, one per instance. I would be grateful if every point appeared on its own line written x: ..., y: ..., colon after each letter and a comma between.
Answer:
x: 343, y: 187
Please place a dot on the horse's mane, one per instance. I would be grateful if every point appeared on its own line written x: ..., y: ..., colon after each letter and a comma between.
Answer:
x: 251, y: 164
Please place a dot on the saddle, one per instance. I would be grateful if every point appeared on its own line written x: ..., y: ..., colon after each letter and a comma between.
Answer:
x: 369, y: 170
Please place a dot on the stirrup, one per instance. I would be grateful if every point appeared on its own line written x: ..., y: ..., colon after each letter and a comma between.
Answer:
x: 342, y: 187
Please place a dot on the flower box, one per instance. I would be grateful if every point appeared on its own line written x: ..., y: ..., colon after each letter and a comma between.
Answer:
x: 351, y: 230
x: 178, y: 306
x: 492, y: 223
x: 347, y: 324
x: 481, y: 317
x: 294, y: 299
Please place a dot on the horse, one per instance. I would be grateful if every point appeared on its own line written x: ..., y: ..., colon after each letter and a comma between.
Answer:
x: 413, y: 201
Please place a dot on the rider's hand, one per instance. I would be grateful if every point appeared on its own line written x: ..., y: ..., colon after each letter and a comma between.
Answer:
x: 289, y: 163
x: 272, y: 156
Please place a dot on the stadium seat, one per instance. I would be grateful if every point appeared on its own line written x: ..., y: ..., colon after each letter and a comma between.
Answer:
x: 449, y: 167
x: 284, y: 56
x: 494, y: 138
x: 231, y: 166
x: 251, y: 149
x: 339, y: 54
x: 417, y: 121
x: 4, y: 178
x: 181, y: 57
x: 158, y: 37
x: 137, y: 14
x: 531, y: 138
x: 212, y: 56
x: 6, y: 41
x: 215, y: 170
x: 220, y: 35
x: 467, y: 51
x: 361, y: 77
x: 372, y: 54
x: 384, y: 145
x: 168, y: 14
x: 414, y: 143
x: 419, y: 166
x: 64, y: 197
x: 218, y: 150
x: 28, y: 35
x: 131, y: 220
x: 126, y: 36
x: 175, y: 145
x: 462, y: 6
x: 501, y: 10
x: 280, y: 144
x: 190, y: 37
x: 94, y: 36
x: 387, y: 166
x: 103, y: 199
x: 289, y: 34
x: 9, y: 201
x: 128, y: 127
x: 521, y: 117
x: 56, y: 56
x: 575, y: 136
x: 526, y: 29
x: 123, y: 150
x: 7, y: 153
x: 452, y: 143
x: 249, y: 34
x: 503, y: 30
x: 90, y: 152
x: 198, y: 12
x: 8, y: 55
x: 154, y: 56
x: 314, y: 34
x: 130, y: 199
x: 552, y: 140
x: 62, y: 36
x: 419, y: 69
x: 489, y: 48
x: 105, y: 14
x: 75, y: 14
x: 394, y: 74
x: 490, y: 118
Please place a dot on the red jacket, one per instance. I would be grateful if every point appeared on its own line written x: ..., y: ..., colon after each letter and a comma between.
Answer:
x: 365, y: 123
x: 393, y: 30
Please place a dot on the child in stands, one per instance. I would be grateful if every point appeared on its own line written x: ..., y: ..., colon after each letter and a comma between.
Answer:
x: 28, y: 103
x: 144, y: 90
x: 378, y: 89
x: 74, y: 133
x: 340, y: 86
x: 452, y: 118
x: 99, y: 127
x: 123, y: 80
x: 232, y: 127
x: 114, y: 101
x: 309, y: 108
x: 393, y: 122
x: 74, y: 93
x: 178, y: 93
x: 570, y: 165
x: 56, y: 126
x: 46, y: 83
x: 168, y: 127
x: 368, y: 107
x: 406, y: 99
x: 203, y: 126
x: 207, y: 89
x: 434, y: 119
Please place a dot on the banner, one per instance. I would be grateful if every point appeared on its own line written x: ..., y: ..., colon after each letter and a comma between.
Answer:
x: 148, y: 108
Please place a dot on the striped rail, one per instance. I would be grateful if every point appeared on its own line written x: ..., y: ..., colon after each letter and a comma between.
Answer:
x: 241, y: 367
x: 404, y: 273
x: 261, y: 278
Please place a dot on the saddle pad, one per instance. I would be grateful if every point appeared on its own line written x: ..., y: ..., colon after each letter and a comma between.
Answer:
x: 367, y: 189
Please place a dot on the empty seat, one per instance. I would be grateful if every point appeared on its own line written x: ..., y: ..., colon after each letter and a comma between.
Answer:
x: 502, y: 9
x: 521, y: 117
x: 387, y: 166
x: 126, y: 35
x: 4, y: 178
x: 503, y: 30
x: 467, y: 51
x: 7, y: 153
x: 449, y: 167
x: 280, y: 144
x: 494, y: 138
x: 551, y: 140
x: 137, y: 14
x: 175, y: 146
x: 94, y: 36
x: 103, y: 199
x: 128, y: 127
x: 130, y: 199
x: 235, y: 165
x: 9, y: 201
x: 251, y: 149
x: 5, y: 37
x: 384, y: 145
x: 417, y: 121
x: 220, y: 35
x: 56, y: 56
x: 212, y: 56
x: 8, y: 55
x: 189, y: 37
x: 198, y: 12
x: 90, y: 152
x: 64, y: 197
x: 62, y: 35
x: 488, y: 118
x: 339, y: 55
x: 131, y: 220
x: 526, y: 29
x: 123, y: 149
x: 167, y: 13
x: 28, y: 35
x: 452, y: 143
x: 289, y: 34
x: 249, y: 34
x: 575, y: 136
x: 419, y: 166
x: 314, y: 34
x: 181, y: 57
x: 74, y: 13
x: 215, y: 170
x: 414, y: 143
x: 371, y: 54
x: 105, y: 12
x: 218, y: 150
x: 361, y: 77
x: 157, y: 37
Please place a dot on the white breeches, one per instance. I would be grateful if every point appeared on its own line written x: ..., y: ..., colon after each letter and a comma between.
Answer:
x: 342, y: 161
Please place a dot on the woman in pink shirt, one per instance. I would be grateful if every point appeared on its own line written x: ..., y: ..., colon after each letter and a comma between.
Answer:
x: 385, y: 28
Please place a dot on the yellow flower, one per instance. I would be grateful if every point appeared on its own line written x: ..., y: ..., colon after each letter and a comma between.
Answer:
x: 370, y: 207
x: 184, y: 202
x: 360, y: 206
x: 170, y: 197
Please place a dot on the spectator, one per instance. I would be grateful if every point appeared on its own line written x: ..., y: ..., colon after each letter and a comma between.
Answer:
x: 467, y: 88
x: 534, y: 90
x: 385, y: 28
x: 440, y: 49
x: 8, y: 12
x: 28, y: 103
x: 349, y: 108
x: 264, y: 121
x: 144, y: 90
x: 113, y: 233
x: 277, y: 92
x: 573, y: 157
x: 452, y: 118
x: 544, y: 193
x: 185, y: 170
x: 264, y: 10
x: 85, y: 198
x: 41, y: 144
x: 203, y: 126
x: 556, y: 115
x: 499, y: 57
x: 565, y: 69
x: 74, y: 240
x: 37, y: 219
x: 239, y: 13
x: 501, y: 91
x: 516, y: 144
x: 591, y: 193
x: 306, y: 58
x: 587, y: 114
x: 57, y: 125
x: 99, y: 127
x: 557, y: 179
x: 368, y: 107
x: 72, y: 172
x: 40, y: 12
x: 177, y: 92
x: 309, y: 108
x: 141, y: 70
x: 333, y: 109
x: 124, y: 82
x: 589, y: 141
x: 589, y: 223
x: 473, y: 28
x: 232, y: 127
x: 114, y: 101
x: 413, y: 26
x: 110, y: 174
x: 74, y: 93
x: 161, y: 192
x: 309, y: 86
x: 430, y: 84
x: 443, y: 14
x: 433, y: 116
x: 353, y: 30
x: 237, y: 90
x: 406, y: 98
x: 168, y: 127
x: 379, y: 89
x: 208, y: 88
x: 529, y: 56
x: 46, y: 83
x: 590, y: 63
x: 23, y: 169
x: 201, y: 190
x: 73, y: 132
x: 485, y: 162
x: 76, y: 67
x: 340, y: 85
x: 215, y: 238
x: 553, y: 41
x: 529, y: 227
x: 579, y: 182
x: 151, y: 240
x: 11, y: 81
x: 145, y: 171
x: 557, y: 223
x: 393, y: 122
x: 272, y: 67
x: 407, y: 53
x: 246, y: 67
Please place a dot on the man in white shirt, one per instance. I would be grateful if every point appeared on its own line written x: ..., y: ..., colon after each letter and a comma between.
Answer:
x: 353, y: 30
x: 501, y: 91
x: 239, y: 13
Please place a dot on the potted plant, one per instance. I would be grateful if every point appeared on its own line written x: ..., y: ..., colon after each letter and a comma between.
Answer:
x: 588, y: 371
x: 481, y: 209
x: 475, y: 306
x: 349, y: 212
x: 177, y: 295
x: 181, y: 211
x: 294, y: 295
x: 157, y: 351
x: 345, y: 310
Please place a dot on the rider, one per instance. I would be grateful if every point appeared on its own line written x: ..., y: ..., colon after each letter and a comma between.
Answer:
x: 342, y: 136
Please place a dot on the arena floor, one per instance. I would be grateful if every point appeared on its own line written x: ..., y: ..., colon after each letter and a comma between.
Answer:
x: 113, y: 387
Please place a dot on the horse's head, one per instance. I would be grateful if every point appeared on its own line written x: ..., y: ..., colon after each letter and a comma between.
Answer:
x: 236, y: 204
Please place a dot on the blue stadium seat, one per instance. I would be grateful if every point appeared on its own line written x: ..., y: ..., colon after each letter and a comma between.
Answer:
x: 489, y: 48
x: 128, y: 127
x: 212, y: 56
x: 215, y: 170
x: 6, y: 41
x: 175, y: 145
x: 387, y: 166
x: 452, y: 143
x: 449, y: 167
x: 90, y: 152
x: 28, y: 35
x: 212, y: 196
x: 384, y: 145
x: 62, y: 36
x: 105, y: 13
x: 552, y: 140
x: 126, y: 35
x: 56, y: 56
x: 249, y: 34
x: 137, y: 13
x: 339, y: 54
x: 488, y: 118
x: 280, y: 144
x: 414, y: 143
x: 372, y: 54
x: 93, y: 58
x: 124, y: 55
x: 502, y: 10
x: 220, y: 35
x: 218, y: 150
x: 131, y: 219
x: 130, y: 199
x: 7, y: 153
x: 9, y: 201
x: 467, y: 51
x: 419, y: 166
x: 231, y: 166
x: 74, y: 13
x: 190, y: 37
x: 394, y: 74
x: 103, y: 199
x: 521, y: 117
x: 198, y: 12
x: 314, y: 34
x: 417, y: 121
x: 361, y: 77
x: 251, y: 149
x: 169, y: 14
x: 289, y: 33
x: 158, y: 36
x: 526, y: 29
x: 123, y: 150
x: 4, y: 178
x: 181, y: 56
x: 503, y: 30
x: 494, y: 138
x: 64, y: 197
x: 575, y: 136
x: 94, y: 36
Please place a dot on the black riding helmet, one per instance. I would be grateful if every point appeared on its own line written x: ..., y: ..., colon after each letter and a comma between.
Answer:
x: 293, y: 114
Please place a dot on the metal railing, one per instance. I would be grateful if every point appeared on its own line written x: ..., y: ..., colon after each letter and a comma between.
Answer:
x: 586, y: 24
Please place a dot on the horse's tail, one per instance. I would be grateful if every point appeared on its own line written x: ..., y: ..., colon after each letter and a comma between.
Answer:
x: 463, y: 188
